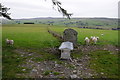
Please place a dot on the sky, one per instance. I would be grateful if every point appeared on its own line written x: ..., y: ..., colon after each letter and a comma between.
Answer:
x: 44, y: 8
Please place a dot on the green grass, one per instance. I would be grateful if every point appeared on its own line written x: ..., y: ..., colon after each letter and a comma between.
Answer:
x: 46, y: 57
x: 25, y: 37
x: 110, y: 36
x: 35, y: 38
x: 10, y: 63
x: 77, y: 55
x: 104, y: 62
x: 47, y: 72
x: 56, y: 73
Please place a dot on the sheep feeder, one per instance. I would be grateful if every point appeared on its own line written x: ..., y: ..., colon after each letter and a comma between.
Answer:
x: 65, y: 48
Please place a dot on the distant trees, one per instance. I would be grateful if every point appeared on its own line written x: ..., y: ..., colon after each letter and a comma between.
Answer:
x: 3, y: 10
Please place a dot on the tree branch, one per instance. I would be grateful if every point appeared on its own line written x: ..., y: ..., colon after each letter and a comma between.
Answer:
x: 60, y: 9
x: 3, y: 12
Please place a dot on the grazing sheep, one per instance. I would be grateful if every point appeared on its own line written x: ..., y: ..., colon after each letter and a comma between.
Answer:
x: 95, y: 39
x: 87, y: 40
x: 9, y: 42
x: 91, y: 38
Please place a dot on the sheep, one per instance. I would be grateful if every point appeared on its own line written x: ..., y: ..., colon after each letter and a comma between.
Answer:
x: 9, y: 42
x: 87, y: 40
x: 95, y: 39
x: 91, y: 37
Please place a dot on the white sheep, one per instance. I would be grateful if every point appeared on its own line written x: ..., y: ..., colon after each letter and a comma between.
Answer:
x: 87, y: 40
x: 95, y: 39
x: 9, y: 42
x: 91, y: 38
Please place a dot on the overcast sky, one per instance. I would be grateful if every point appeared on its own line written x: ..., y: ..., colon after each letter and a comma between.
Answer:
x: 79, y: 8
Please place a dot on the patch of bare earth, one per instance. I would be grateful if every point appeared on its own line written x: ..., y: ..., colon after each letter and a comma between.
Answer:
x: 77, y: 68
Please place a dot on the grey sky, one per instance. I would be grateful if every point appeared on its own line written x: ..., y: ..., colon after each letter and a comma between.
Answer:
x: 79, y: 8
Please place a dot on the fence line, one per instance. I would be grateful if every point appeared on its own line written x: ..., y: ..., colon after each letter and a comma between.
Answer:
x: 55, y: 34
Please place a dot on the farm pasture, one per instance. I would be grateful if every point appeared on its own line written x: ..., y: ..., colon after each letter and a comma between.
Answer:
x: 34, y: 36
x: 110, y: 36
x: 34, y: 39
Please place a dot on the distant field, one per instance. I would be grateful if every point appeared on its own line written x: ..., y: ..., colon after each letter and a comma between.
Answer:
x: 105, y: 23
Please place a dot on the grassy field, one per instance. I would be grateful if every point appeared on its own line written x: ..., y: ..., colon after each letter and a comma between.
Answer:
x: 105, y: 64
x: 29, y: 36
x: 110, y: 36
x: 35, y: 37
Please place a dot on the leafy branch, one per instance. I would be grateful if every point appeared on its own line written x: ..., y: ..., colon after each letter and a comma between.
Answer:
x: 3, y: 12
x: 60, y: 9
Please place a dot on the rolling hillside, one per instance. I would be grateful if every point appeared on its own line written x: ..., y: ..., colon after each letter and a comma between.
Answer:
x: 92, y: 23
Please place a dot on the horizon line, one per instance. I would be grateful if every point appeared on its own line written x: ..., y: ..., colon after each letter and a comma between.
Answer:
x: 61, y: 17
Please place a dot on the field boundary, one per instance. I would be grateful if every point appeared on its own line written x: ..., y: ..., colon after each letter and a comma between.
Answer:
x: 55, y: 34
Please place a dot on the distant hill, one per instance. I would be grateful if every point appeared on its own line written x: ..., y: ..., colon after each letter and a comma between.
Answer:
x: 73, y: 22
